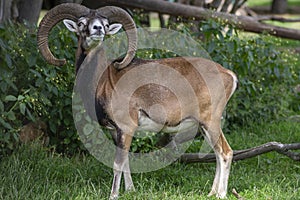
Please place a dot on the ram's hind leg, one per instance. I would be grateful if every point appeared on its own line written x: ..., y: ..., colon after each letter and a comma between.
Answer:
x: 127, y: 176
x: 223, y: 158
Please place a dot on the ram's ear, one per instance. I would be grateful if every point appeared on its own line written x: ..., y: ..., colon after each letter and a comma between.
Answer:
x: 71, y: 25
x: 113, y: 29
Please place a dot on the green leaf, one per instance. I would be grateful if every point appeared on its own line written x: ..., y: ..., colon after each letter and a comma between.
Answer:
x: 8, y: 60
x: 66, y: 121
x: 11, y: 116
x: 5, y: 124
x: 77, y: 107
x: 22, y: 108
x: 1, y: 106
x: 88, y: 119
x: 46, y: 100
x: 10, y: 98
x: 3, y: 86
x: 2, y: 44
x: 88, y: 145
x: 55, y: 91
x: 11, y: 84
x: 32, y: 60
x: 67, y: 141
x: 38, y: 74
x: 88, y: 129
x: 31, y: 117
x: 78, y: 117
x: 52, y: 126
x: 26, y: 91
x: 21, y: 97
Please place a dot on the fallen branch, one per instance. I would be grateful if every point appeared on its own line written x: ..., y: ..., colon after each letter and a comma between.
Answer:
x: 285, y: 149
x: 242, y: 22
x: 237, y: 195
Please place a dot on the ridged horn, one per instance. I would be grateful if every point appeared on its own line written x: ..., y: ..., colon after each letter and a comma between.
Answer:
x: 63, y: 11
x: 116, y: 14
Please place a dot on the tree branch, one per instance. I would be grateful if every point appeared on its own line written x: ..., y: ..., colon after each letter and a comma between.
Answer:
x: 284, y: 149
x: 242, y: 22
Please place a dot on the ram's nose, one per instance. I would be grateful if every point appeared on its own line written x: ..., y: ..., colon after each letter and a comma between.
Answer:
x: 97, y: 28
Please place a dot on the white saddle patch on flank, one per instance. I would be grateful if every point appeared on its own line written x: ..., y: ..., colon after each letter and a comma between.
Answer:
x: 147, y: 124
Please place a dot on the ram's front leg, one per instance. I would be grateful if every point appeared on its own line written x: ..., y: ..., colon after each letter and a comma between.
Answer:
x: 121, y: 163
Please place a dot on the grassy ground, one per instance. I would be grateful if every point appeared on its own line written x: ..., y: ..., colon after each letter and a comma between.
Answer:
x: 295, y: 4
x: 269, y: 2
x: 33, y: 173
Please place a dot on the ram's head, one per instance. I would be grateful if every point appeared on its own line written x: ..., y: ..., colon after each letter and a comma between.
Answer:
x: 91, y: 30
x: 90, y: 25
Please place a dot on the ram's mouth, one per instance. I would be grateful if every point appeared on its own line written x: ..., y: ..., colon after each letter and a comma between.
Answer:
x: 92, y: 41
x: 96, y: 37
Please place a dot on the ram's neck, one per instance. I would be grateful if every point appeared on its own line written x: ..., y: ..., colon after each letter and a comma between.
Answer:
x: 80, y: 56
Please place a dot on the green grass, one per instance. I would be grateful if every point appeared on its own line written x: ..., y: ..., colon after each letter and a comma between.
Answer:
x: 294, y: 25
x: 269, y: 2
x: 259, y: 3
x: 35, y: 173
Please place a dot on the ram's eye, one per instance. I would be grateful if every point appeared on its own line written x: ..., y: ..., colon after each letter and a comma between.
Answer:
x: 80, y: 24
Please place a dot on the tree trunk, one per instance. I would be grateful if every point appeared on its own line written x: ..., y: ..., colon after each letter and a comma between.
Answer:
x: 20, y: 10
x: 7, y: 10
x: 279, y: 6
x: 29, y: 11
x: 94, y: 4
x: 57, y: 2
x: 48, y: 4
x: 217, y: 4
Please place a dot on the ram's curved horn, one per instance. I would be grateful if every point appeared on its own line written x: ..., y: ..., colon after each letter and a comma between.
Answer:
x: 116, y: 14
x: 63, y: 11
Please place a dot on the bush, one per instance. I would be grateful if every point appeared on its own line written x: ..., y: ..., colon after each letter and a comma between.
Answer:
x: 31, y: 89
x: 267, y: 75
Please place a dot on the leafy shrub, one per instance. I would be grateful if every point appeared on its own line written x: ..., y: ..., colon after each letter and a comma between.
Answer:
x: 267, y: 75
x: 31, y: 89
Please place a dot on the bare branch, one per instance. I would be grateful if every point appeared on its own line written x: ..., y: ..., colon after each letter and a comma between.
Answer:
x: 226, y: 4
x: 217, y: 4
x: 237, y: 4
x: 284, y: 149
x: 175, y: 9
x: 237, y: 195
